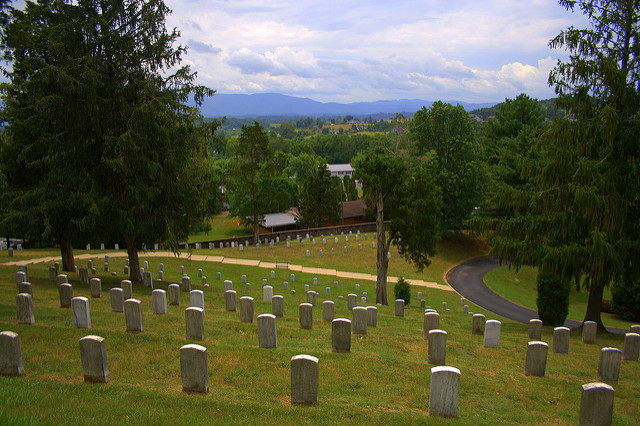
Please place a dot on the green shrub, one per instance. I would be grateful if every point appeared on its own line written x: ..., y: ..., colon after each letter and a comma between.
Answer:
x: 402, y: 290
x: 625, y: 299
x: 553, y: 298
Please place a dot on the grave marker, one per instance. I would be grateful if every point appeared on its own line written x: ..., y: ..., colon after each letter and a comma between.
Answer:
x: 609, y: 364
x: 430, y: 322
x: 231, y: 300
x: 631, y: 348
x: 437, y: 353
x: 117, y: 299
x: 267, y: 331
x: 477, y: 325
x: 399, y: 307
x: 561, y: 340
x: 536, y: 361
x: 174, y: 294
x: 535, y: 329
x: 65, y: 291
x: 305, y: 375
x: 492, y: 333
x: 246, y: 309
x: 444, y: 391
x: 133, y: 315
x: 194, y: 323
x: 159, y: 300
x: 341, y: 335
x: 328, y: 309
x: 360, y: 320
x: 93, y: 353
x: 96, y: 288
x: 10, y: 354
x: 277, y: 305
x: 80, y: 312
x: 193, y: 368
x: 596, y: 404
x: 589, y: 330
x: 306, y: 316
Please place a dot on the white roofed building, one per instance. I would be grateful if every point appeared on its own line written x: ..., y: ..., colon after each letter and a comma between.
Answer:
x: 341, y: 170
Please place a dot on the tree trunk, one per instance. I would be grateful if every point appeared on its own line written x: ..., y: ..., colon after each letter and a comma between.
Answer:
x: 382, y: 261
x: 134, y: 263
x: 68, y: 261
x: 594, y: 305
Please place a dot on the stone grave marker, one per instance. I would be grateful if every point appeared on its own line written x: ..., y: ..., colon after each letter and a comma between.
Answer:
x: 306, y: 316
x: 477, y: 325
x: 159, y: 300
x: 133, y: 315
x: 96, y: 288
x: 430, y: 322
x: 231, y: 300
x: 93, y: 354
x: 589, y: 330
x: 360, y: 320
x: 65, y: 291
x: 561, y: 340
x: 535, y: 329
x: 536, y: 361
x: 246, y: 309
x: 80, y: 312
x: 631, y: 348
x: 596, y: 404
x: 267, y: 331
x: 399, y: 307
x: 492, y: 333
x: 10, y: 354
x: 437, y: 353
x: 267, y: 293
x: 609, y: 365
x: 352, y: 301
x: 227, y: 285
x: 444, y: 391
x: 127, y: 289
x: 372, y: 316
x: 194, y: 323
x: 328, y: 310
x: 277, y: 305
x: 25, y: 287
x: 341, y: 335
x: 117, y: 299
x: 305, y: 381
x: 196, y: 298
x: 174, y: 294
x: 185, y: 284
x: 193, y: 368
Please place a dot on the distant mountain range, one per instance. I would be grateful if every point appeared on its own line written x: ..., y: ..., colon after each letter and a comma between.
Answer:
x: 273, y: 104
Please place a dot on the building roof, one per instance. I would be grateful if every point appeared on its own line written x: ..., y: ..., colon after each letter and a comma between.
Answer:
x: 274, y: 220
x: 353, y: 208
x: 336, y: 168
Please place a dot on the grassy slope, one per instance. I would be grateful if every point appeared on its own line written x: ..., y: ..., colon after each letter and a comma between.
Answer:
x: 384, y: 379
x: 521, y: 288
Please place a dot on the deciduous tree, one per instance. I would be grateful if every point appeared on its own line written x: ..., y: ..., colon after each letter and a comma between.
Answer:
x: 319, y: 198
x: 407, y: 195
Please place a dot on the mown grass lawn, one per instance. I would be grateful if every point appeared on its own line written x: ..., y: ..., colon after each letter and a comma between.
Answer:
x: 385, y: 378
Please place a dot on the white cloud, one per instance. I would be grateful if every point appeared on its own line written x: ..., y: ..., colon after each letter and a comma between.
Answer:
x: 356, y: 51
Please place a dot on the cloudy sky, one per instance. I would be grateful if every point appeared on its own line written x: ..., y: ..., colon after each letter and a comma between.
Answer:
x: 356, y: 50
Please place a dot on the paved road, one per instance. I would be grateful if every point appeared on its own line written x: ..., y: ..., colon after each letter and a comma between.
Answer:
x: 467, y: 279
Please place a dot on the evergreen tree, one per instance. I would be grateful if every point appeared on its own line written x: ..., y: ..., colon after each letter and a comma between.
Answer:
x: 101, y: 142
x: 319, y: 199
x: 583, y: 217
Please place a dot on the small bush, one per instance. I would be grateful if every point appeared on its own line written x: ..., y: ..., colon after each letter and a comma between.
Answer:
x: 625, y: 299
x: 553, y: 298
x: 402, y: 290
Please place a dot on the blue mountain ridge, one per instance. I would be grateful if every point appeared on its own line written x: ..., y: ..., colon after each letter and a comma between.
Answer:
x: 274, y: 104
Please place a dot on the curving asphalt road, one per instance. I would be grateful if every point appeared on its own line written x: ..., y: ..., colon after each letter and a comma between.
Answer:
x: 467, y: 280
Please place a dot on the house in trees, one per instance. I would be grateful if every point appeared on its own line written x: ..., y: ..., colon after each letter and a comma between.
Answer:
x: 341, y: 170
x: 353, y: 212
x: 276, y: 222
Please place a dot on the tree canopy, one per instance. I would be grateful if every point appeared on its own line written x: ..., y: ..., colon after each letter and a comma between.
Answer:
x: 405, y: 193
x: 445, y: 132
x: 319, y: 198
x: 582, y: 220
x: 101, y: 141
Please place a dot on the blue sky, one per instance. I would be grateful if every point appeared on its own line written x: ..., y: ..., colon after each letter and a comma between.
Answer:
x: 350, y: 51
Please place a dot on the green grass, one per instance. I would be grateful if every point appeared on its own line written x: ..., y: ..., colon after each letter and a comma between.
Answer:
x: 520, y: 288
x: 222, y: 227
x: 385, y: 378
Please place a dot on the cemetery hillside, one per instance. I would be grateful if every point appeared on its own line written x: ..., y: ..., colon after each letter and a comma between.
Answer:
x: 385, y: 376
x: 169, y: 258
